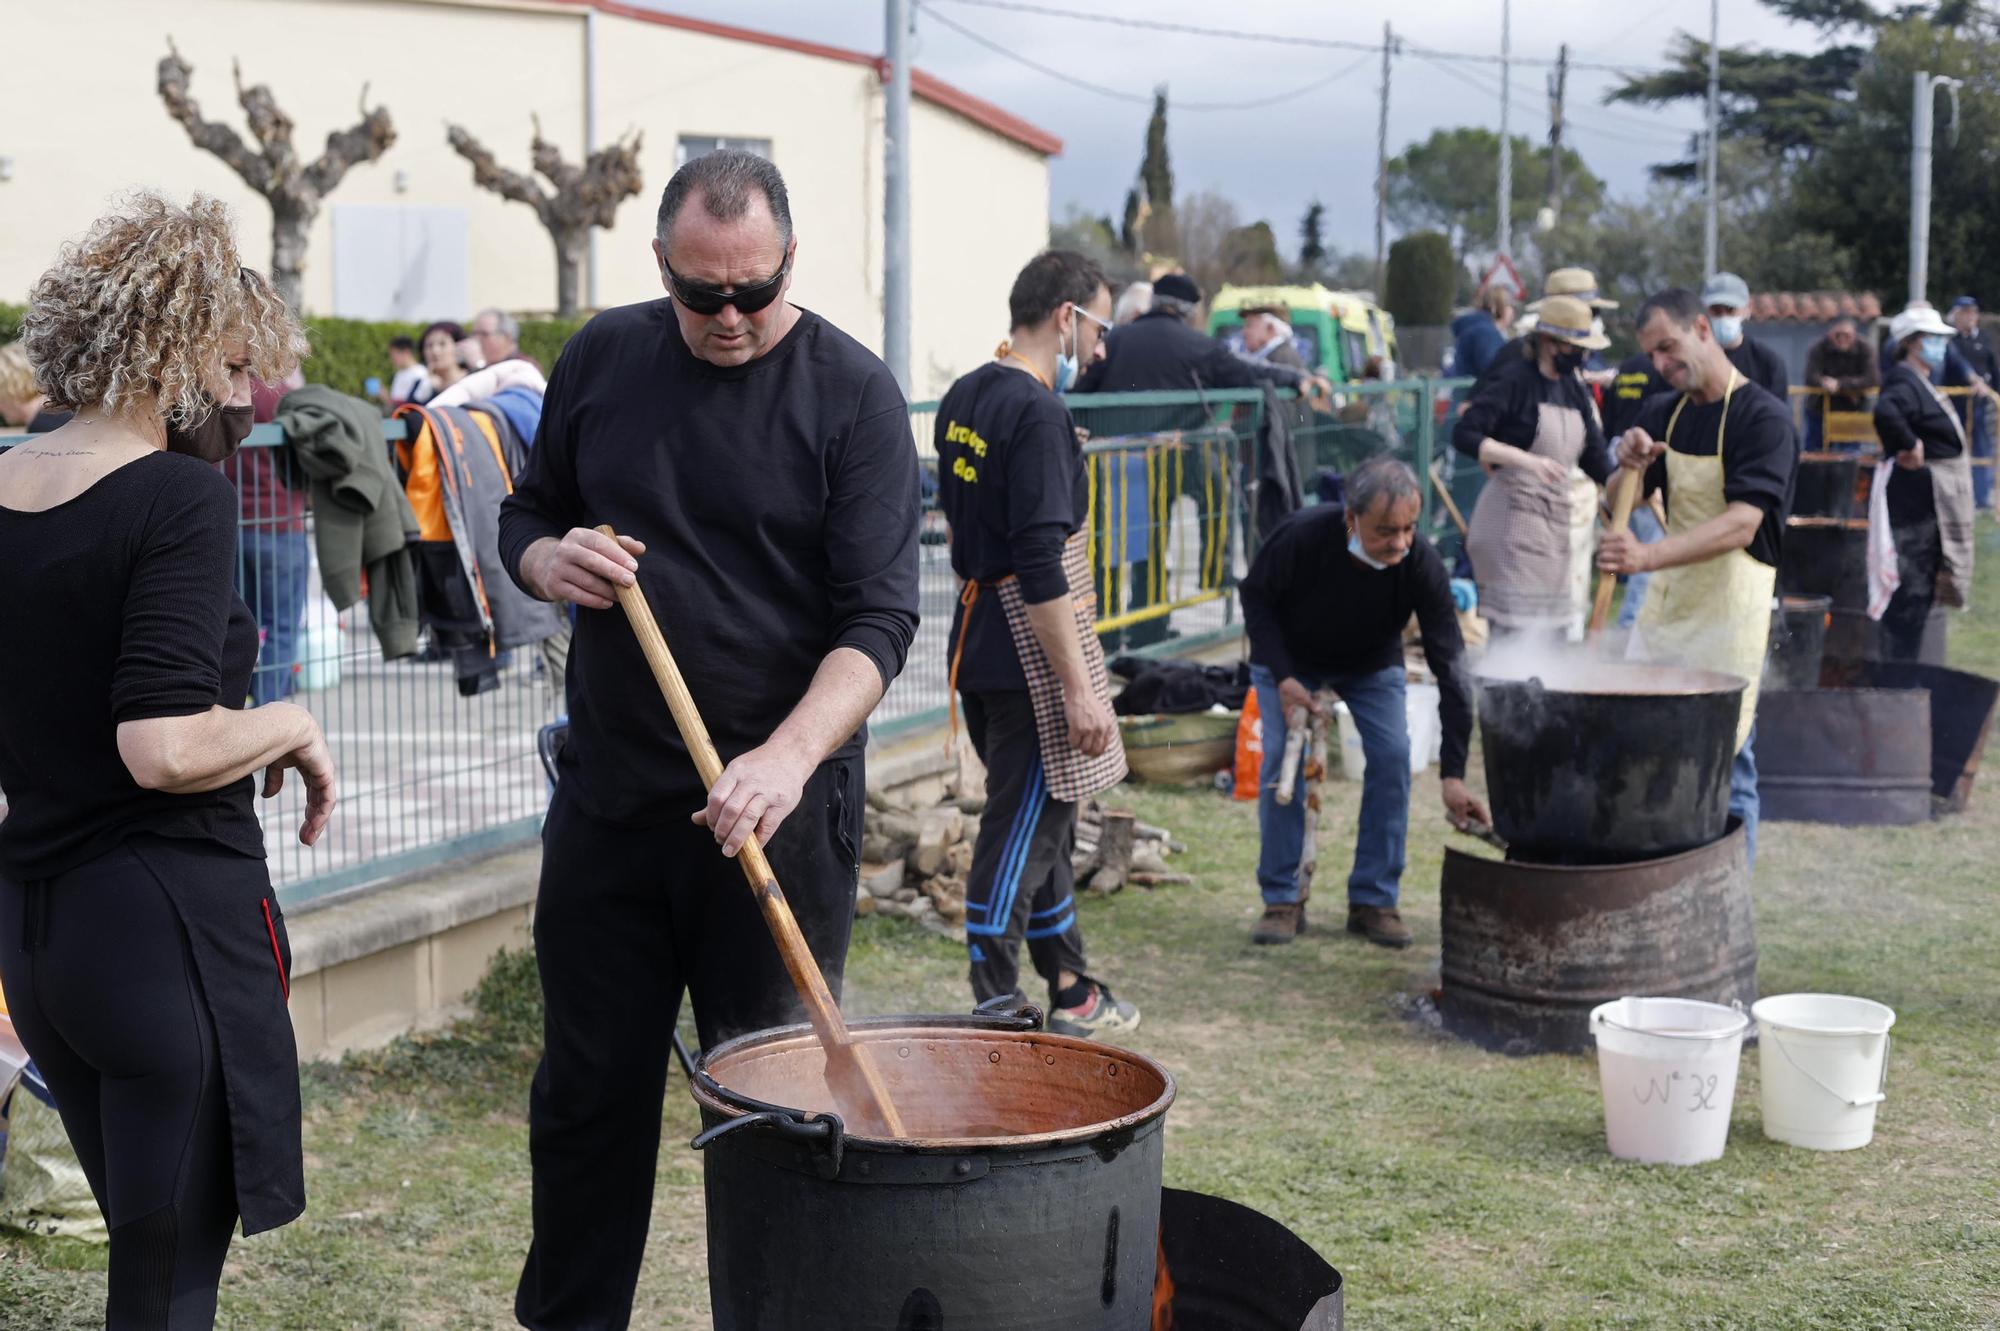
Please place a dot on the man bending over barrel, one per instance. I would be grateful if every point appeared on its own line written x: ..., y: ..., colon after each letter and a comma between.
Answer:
x: 756, y: 463
x: 1325, y: 604
x: 1024, y: 657
x: 1722, y: 452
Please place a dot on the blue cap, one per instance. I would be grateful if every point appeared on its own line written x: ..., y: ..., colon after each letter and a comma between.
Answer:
x: 1964, y: 301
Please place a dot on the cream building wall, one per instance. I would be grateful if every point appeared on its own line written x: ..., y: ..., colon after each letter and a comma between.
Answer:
x: 979, y: 197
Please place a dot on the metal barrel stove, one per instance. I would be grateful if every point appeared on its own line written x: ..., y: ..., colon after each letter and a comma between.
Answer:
x: 1828, y: 556
x: 1530, y: 949
x: 1892, y: 743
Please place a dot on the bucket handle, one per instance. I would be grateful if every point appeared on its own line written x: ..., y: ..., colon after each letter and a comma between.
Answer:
x: 1852, y: 1102
x: 1735, y: 1004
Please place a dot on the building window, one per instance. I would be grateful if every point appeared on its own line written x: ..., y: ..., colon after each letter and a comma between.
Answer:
x: 692, y: 146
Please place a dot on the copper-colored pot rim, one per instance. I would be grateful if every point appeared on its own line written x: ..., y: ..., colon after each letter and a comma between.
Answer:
x: 889, y: 1030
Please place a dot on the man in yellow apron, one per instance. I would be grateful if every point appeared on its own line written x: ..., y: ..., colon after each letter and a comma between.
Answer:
x: 1722, y: 452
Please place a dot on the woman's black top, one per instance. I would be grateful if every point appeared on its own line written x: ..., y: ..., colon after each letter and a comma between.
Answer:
x: 1908, y: 412
x: 1507, y: 405
x: 118, y: 605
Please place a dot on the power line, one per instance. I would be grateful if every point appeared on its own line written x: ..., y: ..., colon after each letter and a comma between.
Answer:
x: 1280, y: 39
x: 1145, y: 99
x: 1660, y: 134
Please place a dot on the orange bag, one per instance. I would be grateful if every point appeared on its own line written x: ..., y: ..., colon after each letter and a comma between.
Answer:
x: 1249, y: 749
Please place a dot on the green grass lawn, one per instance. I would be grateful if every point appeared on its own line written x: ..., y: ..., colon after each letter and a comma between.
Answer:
x: 1453, y: 1188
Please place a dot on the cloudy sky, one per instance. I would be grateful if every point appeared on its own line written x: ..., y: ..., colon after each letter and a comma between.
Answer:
x: 1271, y: 161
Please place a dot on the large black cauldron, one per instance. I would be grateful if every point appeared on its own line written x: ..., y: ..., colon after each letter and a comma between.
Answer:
x: 1606, y: 763
x: 1027, y: 1197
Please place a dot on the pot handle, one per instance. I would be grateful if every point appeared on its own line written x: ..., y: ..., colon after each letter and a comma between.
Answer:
x: 826, y: 1132
x: 1020, y: 1015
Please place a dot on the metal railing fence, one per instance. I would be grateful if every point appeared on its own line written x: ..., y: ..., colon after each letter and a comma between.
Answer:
x: 432, y: 771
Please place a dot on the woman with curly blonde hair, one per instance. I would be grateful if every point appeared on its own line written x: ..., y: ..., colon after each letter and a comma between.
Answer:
x: 143, y: 953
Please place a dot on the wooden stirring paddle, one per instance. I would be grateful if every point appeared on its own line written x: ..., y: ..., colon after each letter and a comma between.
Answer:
x: 857, y: 1090
x: 1622, y: 501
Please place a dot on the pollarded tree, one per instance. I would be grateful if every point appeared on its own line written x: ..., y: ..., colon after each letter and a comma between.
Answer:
x: 294, y: 188
x: 584, y: 196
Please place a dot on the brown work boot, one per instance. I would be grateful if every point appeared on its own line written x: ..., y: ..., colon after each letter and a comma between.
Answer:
x: 1381, y: 925
x: 1281, y: 923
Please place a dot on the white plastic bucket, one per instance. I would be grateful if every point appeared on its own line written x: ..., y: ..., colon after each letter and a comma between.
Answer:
x: 1824, y: 1059
x: 1420, y: 706
x: 1667, y: 1068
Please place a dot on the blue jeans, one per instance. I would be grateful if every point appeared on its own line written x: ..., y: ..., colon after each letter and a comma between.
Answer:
x: 272, y: 565
x: 1743, y: 802
x: 1647, y: 528
x: 1376, y: 700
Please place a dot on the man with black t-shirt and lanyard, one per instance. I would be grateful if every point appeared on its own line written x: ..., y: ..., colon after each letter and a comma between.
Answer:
x: 1024, y: 656
x: 1722, y: 453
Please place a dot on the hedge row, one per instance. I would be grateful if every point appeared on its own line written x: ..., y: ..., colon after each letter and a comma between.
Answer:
x: 345, y: 352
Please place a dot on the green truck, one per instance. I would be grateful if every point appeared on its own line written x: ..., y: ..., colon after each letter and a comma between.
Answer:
x: 1335, y: 331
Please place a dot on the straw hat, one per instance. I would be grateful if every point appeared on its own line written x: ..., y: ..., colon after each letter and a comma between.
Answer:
x: 1578, y: 282
x: 1568, y: 319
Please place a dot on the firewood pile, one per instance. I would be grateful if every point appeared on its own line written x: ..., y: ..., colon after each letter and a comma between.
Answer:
x: 915, y: 862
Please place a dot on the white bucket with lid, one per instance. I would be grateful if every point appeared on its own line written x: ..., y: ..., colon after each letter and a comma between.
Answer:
x: 1667, y: 1067
x: 1824, y: 1059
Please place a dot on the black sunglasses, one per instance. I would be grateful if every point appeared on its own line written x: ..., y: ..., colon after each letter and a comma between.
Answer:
x: 704, y: 299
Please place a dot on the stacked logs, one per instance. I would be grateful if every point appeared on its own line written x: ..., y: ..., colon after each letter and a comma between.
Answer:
x: 914, y: 862
x: 1115, y: 850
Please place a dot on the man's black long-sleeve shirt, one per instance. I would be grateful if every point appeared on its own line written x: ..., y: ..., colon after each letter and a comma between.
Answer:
x: 1309, y: 606
x: 1158, y: 351
x: 778, y: 503
x: 1762, y: 367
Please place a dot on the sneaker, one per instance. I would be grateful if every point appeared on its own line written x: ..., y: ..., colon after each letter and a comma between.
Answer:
x: 1101, y: 1014
x: 1381, y: 925
x: 1281, y: 923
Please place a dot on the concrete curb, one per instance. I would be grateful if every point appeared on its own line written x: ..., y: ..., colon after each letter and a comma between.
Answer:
x: 388, y: 917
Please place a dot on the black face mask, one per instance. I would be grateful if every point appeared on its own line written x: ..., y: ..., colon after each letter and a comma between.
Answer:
x: 1569, y: 362
x: 215, y: 436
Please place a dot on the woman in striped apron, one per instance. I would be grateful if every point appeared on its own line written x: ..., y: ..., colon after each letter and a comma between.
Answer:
x: 1528, y: 425
x: 1929, y: 484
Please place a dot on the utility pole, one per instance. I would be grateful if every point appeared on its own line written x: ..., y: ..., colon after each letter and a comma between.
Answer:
x: 896, y: 195
x: 1382, y: 168
x: 1558, y: 82
x: 1924, y: 86
x: 1506, y: 228
x: 1709, y: 259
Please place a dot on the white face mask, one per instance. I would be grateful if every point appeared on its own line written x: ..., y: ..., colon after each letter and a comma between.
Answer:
x: 1360, y: 552
x: 1728, y: 328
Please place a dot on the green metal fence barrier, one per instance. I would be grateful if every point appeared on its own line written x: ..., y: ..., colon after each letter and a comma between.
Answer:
x: 428, y: 775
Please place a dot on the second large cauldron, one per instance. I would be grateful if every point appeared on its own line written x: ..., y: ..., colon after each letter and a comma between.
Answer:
x: 1027, y: 1197
x: 1605, y: 763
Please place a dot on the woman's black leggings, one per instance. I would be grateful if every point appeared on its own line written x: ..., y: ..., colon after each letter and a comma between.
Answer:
x: 104, y: 993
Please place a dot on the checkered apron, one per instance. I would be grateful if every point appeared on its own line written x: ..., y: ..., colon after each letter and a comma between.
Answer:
x: 1072, y: 776
x: 1951, y: 492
